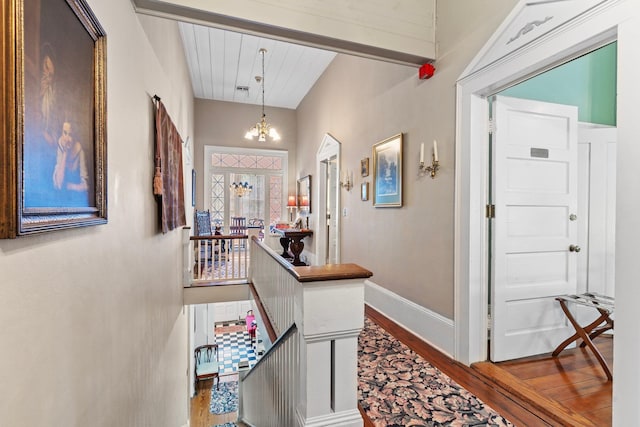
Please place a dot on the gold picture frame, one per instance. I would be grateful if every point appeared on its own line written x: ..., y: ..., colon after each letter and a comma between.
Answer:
x: 55, y: 127
x: 387, y: 172
x: 364, y: 167
x: 364, y: 191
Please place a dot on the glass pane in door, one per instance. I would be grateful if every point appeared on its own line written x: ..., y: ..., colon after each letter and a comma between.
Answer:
x: 275, y: 198
x: 217, y: 198
x: 249, y: 205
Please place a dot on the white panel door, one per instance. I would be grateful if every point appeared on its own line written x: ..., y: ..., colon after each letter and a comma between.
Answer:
x: 226, y: 311
x: 535, y: 193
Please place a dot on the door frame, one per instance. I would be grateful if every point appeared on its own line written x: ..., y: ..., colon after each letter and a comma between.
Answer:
x: 496, y: 67
x: 598, y: 209
x: 205, y: 183
x: 329, y: 148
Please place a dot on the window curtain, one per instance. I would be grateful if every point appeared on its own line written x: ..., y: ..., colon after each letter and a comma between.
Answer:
x: 168, y: 179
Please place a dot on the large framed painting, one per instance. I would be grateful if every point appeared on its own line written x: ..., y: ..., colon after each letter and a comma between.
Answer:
x: 387, y: 172
x: 54, y: 163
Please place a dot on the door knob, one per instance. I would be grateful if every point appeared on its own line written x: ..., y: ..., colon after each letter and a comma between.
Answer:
x: 574, y: 248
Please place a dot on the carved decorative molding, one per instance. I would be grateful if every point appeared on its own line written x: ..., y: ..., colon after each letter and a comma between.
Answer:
x: 528, y: 27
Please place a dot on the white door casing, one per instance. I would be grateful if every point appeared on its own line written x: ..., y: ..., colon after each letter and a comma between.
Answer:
x: 200, y: 335
x: 597, y: 146
x: 535, y: 196
x: 596, y: 213
x: 328, y: 153
x: 209, y: 169
x: 541, y: 50
x: 332, y: 214
x: 211, y: 321
x: 498, y: 65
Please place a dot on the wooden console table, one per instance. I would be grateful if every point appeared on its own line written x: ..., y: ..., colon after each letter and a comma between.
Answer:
x: 292, y: 239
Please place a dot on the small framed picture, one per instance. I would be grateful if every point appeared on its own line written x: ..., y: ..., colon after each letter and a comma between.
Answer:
x: 364, y: 167
x: 364, y: 191
x: 193, y: 187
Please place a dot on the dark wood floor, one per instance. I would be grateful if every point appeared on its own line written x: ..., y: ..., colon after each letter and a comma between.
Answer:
x: 201, y: 416
x: 575, y: 380
x: 571, y: 390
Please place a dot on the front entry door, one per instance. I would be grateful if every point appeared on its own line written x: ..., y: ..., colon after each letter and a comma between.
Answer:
x: 534, y: 191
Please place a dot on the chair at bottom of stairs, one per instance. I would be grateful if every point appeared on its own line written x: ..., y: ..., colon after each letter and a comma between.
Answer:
x: 206, y: 363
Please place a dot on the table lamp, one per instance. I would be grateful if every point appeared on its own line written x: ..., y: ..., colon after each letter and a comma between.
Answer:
x: 291, y: 205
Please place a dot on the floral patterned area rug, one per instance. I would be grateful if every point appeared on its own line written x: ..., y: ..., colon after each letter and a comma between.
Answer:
x: 397, y: 387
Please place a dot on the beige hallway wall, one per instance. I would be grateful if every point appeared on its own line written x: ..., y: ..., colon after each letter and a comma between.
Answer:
x: 93, y: 329
x: 225, y: 123
x: 361, y: 102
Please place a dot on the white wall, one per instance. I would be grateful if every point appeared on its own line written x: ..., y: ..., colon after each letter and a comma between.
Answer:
x: 94, y: 333
x: 626, y: 385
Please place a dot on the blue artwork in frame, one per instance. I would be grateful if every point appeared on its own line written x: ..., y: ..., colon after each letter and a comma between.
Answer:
x: 387, y: 172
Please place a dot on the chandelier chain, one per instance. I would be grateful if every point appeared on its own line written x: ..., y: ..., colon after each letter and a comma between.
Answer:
x: 262, y: 51
x: 262, y: 129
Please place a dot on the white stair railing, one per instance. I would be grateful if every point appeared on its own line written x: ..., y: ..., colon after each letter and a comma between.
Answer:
x: 327, y: 305
x: 267, y: 388
x: 215, y: 259
x: 274, y: 284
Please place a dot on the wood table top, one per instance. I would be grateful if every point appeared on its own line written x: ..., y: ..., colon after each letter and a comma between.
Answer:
x: 294, y: 232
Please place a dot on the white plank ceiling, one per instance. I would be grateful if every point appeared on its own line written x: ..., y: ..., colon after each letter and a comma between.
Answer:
x: 220, y: 61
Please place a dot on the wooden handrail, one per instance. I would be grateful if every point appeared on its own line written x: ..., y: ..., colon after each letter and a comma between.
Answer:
x: 263, y: 314
x: 321, y: 273
x: 282, y: 338
x: 220, y: 237
x: 318, y: 273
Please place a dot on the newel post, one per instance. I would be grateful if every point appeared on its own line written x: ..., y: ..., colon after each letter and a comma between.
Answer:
x: 330, y: 316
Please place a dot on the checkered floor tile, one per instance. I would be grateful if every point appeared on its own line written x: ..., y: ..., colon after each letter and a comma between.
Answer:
x: 234, y: 347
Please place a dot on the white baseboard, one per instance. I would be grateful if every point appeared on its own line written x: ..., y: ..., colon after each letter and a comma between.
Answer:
x: 432, y: 327
x: 350, y: 418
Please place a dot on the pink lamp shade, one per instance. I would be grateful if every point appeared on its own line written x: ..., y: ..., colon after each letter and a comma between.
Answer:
x: 291, y: 201
x: 305, y: 201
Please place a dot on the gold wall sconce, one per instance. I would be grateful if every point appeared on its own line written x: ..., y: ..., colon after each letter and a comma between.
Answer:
x: 346, y: 181
x: 432, y: 169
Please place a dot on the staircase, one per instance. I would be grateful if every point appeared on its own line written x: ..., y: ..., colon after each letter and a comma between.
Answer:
x: 308, y: 377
